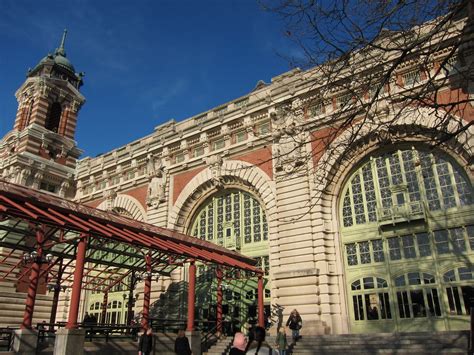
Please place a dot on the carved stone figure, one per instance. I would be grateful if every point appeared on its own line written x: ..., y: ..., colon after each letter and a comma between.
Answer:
x: 157, y: 185
x: 289, y: 137
x: 214, y: 163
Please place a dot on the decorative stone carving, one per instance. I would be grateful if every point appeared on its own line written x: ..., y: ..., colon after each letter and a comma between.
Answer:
x: 157, y: 181
x: 214, y: 163
x: 289, y: 137
x: 25, y: 174
x: 110, y: 195
x: 65, y: 185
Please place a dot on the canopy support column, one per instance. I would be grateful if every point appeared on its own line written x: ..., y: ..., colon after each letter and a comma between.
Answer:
x: 219, y: 300
x: 191, y: 296
x: 146, y: 293
x: 261, y: 317
x: 77, y: 282
x: 57, y: 291
x: 105, y: 300
x: 34, y: 280
x: 131, y: 298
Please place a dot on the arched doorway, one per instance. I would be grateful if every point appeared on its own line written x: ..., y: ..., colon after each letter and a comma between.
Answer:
x: 236, y: 220
x: 407, y: 224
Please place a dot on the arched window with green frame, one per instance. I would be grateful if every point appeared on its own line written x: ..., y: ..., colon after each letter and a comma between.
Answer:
x: 402, y: 212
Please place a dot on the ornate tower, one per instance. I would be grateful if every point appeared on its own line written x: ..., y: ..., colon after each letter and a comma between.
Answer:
x: 40, y: 151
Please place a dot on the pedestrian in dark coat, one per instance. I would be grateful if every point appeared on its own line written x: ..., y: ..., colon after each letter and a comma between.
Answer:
x: 145, y: 344
x: 181, y: 344
x: 295, y: 323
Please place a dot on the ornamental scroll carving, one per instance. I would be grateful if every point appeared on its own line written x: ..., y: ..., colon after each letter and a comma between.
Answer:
x: 157, y: 181
x: 289, y: 137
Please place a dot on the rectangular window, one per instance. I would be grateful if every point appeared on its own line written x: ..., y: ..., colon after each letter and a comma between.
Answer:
x: 179, y: 158
x: 358, y: 307
x: 377, y: 248
x: 441, y: 241
x: 408, y: 247
x: 198, y: 151
x: 394, y: 248
x: 457, y: 239
x: 316, y: 109
x: 418, y: 303
x: 411, y: 78
x: 364, y: 252
x: 470, y: 236
x: 343, y: 101
x: 263, y: 129
x: 403, y: 304
x: 240, y: 136
x: 423, y: 242
x: 351, y: 252
x: 221, y: 111
x: 218, y: 144
x: 241, y: 103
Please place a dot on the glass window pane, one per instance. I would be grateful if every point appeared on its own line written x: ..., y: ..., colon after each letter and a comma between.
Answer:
x: 400, y: 281
x: 465, y: 273
x: 418, y: 303
x: 394, y: 248
x: 441, y: 241
x: 356, y: 285
x: 414, y: 278
x: 364, y: 252
x: 457, y: 239
x: 368, y: 283
x: 408, y: 243
x: 423, y: 242
x: 351, y: 252
x: 377, y: 247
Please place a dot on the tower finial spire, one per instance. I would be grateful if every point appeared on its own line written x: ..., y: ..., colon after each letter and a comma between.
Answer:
x: 61, y: 49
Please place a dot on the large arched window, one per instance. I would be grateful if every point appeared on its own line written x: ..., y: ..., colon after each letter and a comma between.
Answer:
x: 234, y: 219
x: 402, y: 213
x: 398, y: 183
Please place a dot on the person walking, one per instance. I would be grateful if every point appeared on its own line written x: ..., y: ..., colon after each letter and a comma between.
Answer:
x: 258, y: 346
x: 145, y: 344
x: 295, y: 323
x: 281, y: 341
x: 181, y: 344
x: 239, y: 344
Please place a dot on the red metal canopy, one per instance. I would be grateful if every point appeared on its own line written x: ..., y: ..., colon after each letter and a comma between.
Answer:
x: 116, y: 243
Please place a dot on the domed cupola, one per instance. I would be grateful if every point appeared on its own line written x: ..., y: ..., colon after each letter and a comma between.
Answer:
x: 58, y: 66
x: 40, y: 152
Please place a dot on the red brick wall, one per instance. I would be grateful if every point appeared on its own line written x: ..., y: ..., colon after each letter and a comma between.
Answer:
x: 261, y: 158
x: 181, y: 180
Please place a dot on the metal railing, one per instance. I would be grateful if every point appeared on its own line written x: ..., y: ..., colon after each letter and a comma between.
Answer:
x: 6, y: 338
x: 93, y: 331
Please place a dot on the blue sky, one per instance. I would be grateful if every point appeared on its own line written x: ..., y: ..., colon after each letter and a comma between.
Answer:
x: 145, y: 61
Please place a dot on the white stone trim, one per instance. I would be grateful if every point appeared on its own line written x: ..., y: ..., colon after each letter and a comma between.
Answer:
x: 236, y: 174
x: 128, y: 203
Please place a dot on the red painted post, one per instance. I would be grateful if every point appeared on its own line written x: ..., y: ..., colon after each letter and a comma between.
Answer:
x: 131, y: 299
x: 104, y: 307
x: 191, y: 296
x: 146, y: 293
x: 77, y: 283
x: 57, y: 291
x: 261, y: 317
x: 219, y: 300
x: 34, y: 279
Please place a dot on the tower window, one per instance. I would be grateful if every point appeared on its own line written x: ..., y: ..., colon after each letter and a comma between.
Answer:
x: 53, y: 118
